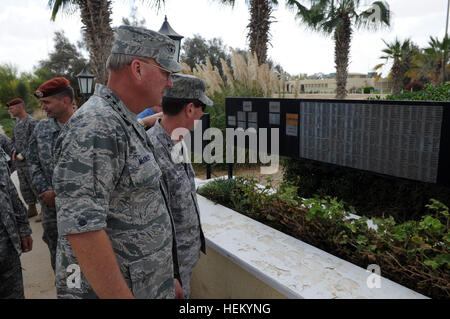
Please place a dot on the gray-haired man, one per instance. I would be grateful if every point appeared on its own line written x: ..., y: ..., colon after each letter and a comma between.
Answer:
x: 182, y: 105
x: 113, y: 222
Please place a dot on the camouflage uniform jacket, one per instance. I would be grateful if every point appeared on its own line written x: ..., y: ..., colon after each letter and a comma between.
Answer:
x: 179, y: 181
x: 40, y: 154
x: 7, y: 145
x: 13, y: 214
x: 21, y: 136
x: 106, y: 178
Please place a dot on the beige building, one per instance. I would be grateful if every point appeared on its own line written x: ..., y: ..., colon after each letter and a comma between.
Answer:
x: 356, y: 82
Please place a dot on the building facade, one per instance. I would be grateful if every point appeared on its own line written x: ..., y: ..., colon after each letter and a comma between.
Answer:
x: 356, y: 82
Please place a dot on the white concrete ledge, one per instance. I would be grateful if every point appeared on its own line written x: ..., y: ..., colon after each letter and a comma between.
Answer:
x: 288, y: 265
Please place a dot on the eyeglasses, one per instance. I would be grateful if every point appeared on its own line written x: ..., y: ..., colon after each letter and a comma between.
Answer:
x: 166, y: 72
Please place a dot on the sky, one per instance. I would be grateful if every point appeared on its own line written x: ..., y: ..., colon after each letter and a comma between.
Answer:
x: 26, y: 31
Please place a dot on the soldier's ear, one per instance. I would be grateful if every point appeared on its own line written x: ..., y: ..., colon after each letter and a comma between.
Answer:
x: 136, y: 68
x: 189, y: 110
x: 67, y: 100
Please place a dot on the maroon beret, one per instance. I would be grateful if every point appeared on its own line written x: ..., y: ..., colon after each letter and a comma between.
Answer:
x: 52, y: 87
x: 15, y: 101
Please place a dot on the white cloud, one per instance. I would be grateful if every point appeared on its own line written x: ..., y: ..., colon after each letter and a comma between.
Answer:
x: 26, y: 32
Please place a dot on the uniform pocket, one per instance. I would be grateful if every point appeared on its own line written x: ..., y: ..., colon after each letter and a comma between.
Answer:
x: 152, y: 276
x: 143, y: 170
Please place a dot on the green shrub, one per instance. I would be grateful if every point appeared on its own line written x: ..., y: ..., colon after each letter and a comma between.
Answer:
x: 429, y: 93
x: 368, y: 89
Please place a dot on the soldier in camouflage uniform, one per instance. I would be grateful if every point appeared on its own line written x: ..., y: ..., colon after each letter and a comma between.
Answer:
x: 182, y: 105
x: 21, y: 135
x: 15, y: 235
x: 7, y: 146
x: 56, y: 96
x: 111, y: 211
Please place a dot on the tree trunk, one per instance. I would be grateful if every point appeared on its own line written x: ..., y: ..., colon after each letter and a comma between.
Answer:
x: 96, y: 18
x: 440, y: 68
x: 397, y: 78
x: 342, y: 37
x: 260, y: 13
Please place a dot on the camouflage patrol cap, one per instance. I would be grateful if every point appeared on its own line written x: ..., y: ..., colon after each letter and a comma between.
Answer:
x: 188, y: 87
x: 146, y: 43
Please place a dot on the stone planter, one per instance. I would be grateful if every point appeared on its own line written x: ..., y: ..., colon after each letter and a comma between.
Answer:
x: 247, y: 259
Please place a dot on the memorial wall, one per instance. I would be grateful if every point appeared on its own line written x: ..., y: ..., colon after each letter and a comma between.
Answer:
x: 396, y: 138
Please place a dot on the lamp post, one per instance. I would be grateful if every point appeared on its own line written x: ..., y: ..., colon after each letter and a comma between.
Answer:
x: 167, y: 30
x: 85, y: 81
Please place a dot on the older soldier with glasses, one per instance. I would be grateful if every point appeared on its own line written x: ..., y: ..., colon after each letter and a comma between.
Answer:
x: 182, y: 105
x: 113, y: 221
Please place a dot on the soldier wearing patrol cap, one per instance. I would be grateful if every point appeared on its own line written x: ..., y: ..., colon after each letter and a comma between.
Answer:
x: 56, y: 97
x: 23, y: 128
x: 113, y: 222
x: 182, y: 105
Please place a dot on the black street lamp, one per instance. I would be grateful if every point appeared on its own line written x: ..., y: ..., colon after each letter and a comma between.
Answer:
x: 166, y: 29
x: 85, y: 81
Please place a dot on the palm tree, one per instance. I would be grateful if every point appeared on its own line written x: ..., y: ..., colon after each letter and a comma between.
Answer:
x: 259, y: 26
x: 339, y: 17
x: 96, y: 19
x: 401, y: 54
x: 437, y: 56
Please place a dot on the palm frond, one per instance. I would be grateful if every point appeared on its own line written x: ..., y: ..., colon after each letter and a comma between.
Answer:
x: 378, y: 66
x: 227, y: 2
x: 316, y: 18
x: 57, y: 5
x: 155, y: 3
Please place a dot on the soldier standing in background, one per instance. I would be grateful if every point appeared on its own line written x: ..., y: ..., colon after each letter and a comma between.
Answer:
x: 182, y: 105
x: 56, y: 97
x: 112, y: 216
x: 21, y: 135
x: 15, y: 235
